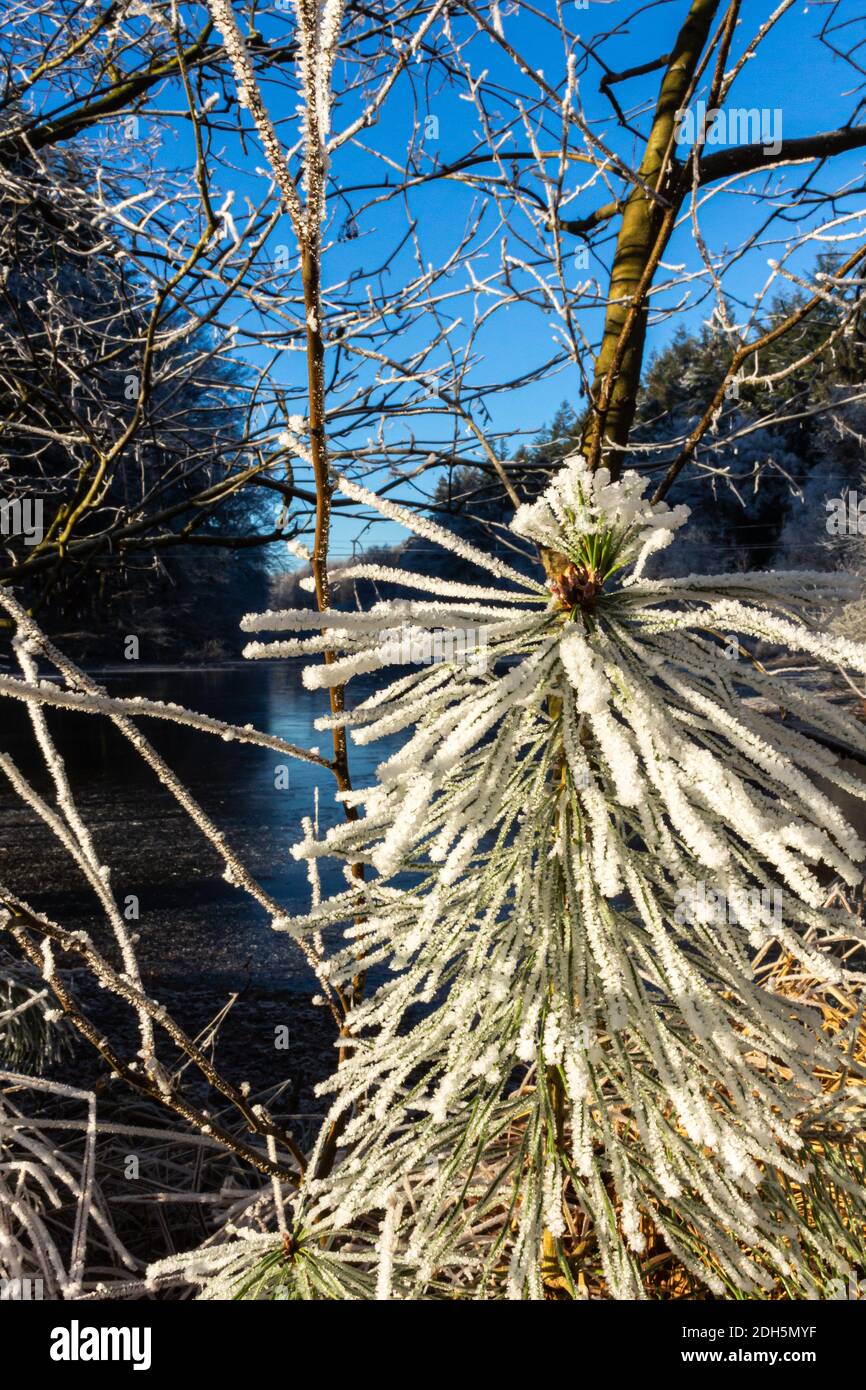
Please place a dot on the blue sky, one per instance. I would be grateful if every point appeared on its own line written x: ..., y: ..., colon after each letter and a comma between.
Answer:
x: 793, y: 72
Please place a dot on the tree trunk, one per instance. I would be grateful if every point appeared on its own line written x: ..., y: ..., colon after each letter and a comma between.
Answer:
x: 613, y: 401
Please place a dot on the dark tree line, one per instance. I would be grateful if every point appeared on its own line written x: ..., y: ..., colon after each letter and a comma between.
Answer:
x: 128, y: 444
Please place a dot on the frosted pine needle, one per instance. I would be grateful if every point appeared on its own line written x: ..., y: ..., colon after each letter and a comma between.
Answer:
x: 575, y: 850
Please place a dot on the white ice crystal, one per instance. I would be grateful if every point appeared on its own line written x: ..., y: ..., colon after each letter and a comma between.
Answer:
x: 529, y: 847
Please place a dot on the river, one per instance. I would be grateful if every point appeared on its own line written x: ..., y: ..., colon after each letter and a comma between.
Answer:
x: 191, y: 921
